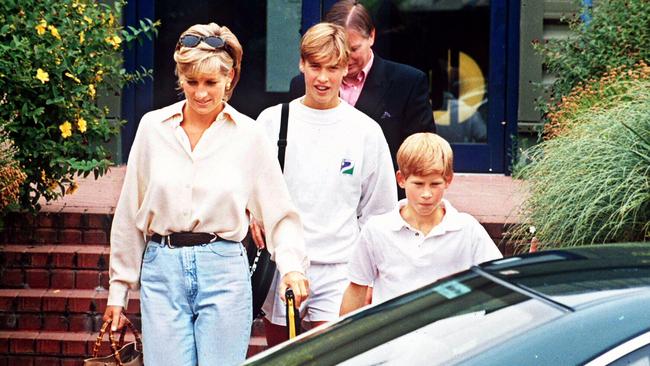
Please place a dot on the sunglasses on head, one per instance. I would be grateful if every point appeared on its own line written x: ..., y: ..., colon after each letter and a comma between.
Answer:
x: 191, y: 40
x: 216, y: 42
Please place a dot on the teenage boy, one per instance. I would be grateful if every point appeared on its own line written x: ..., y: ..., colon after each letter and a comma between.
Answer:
x: 339, y: 172
x: 424, y: 238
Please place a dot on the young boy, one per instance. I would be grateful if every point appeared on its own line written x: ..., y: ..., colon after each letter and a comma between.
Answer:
x: 339, y: 172
x: 424, y: 238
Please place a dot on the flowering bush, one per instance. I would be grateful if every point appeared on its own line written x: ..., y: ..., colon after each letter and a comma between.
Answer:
x: 617, y: 34
x: 11, y: 177
x: 55, y: 57
x: 596, y: 94
x: 591, y: 183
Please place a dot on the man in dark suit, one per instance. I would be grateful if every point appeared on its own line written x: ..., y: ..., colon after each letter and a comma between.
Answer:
x: 395, y: 95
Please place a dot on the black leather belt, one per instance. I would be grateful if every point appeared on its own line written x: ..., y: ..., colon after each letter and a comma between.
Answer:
x: 186, y: 239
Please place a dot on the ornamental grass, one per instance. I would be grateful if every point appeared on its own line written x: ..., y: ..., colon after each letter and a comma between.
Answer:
x: 590, y: 183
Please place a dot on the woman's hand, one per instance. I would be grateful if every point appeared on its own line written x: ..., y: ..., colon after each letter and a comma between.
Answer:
x: 257, y: 233
x: 114, y: 314
x: 298, y: 283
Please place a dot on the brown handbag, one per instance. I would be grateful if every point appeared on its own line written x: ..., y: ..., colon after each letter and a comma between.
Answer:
x: 129, y: 354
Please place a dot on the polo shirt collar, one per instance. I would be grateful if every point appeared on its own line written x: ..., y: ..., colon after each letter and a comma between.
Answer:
x: 450, y: 222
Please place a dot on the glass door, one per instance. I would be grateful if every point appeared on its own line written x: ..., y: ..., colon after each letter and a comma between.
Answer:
x: 460, y: 44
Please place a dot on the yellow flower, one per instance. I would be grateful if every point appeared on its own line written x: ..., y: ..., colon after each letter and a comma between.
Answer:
x: 40, y: 28
x: 43, y: 176
x: 91, y: 90
x: 73, y: 77
x: 81, y: 124
x: 72, y: 188
x: 54, y: 31
x: 66, y: 129
x: 42, y: 75
x: 111, y: 19
x: 54, y: 185
x: 88, y: 20
x: 82, y: 37
x: 114, y: 41
x: 99, y: 76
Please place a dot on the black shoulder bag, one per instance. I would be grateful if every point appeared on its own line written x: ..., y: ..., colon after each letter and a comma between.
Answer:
x: 262, y: 268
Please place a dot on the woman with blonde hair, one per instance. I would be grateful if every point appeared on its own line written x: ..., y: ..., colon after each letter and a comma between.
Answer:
x: 196, y: 168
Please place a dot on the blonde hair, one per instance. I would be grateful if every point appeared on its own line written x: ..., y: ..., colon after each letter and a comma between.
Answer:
x: 425, y: 153
x: 204, y: 59
x: 324, y: 42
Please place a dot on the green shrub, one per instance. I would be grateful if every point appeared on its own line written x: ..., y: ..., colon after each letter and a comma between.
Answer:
x: 11, y: 177
x: 55, y: 56
x: 591, y: 183
x: 618, y: 34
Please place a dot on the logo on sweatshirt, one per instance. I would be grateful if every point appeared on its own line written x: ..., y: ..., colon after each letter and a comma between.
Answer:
x: 347, y: 167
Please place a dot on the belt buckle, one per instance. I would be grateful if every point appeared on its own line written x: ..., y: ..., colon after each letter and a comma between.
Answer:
x: 168, y: 241
x: 214, y: 238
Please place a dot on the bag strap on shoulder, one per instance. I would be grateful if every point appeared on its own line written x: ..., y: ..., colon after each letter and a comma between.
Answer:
x: 282, y: 138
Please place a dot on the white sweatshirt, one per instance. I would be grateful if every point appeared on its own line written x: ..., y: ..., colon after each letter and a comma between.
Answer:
x: 339, y: 173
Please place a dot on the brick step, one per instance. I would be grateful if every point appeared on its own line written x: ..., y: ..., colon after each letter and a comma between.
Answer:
x: 43, y: 278
x: 56, y: 228
x: 57, y: 310
x: 68, y: 310
x: 88, y: 257
x: 48, y: 348
x: 54, y: 266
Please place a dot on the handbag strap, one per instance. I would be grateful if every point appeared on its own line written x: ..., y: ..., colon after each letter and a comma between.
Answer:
x: 115, y: 346
x: 282, y: 138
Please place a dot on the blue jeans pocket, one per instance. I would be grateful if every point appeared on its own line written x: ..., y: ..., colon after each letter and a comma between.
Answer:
x: 150, y: 252
x: 225, y: 248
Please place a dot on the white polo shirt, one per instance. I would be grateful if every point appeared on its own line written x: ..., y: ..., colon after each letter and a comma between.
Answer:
x: 395, y: 258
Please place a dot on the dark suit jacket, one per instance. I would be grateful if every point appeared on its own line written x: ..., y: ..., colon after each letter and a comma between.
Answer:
x: 395, y: 95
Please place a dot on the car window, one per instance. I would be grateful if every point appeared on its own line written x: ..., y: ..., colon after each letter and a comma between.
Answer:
x: 576, y: 280
x: 488, y: 313
x: 577, y: 300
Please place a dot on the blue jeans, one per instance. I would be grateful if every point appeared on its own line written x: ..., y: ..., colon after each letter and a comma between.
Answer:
x: 196, y: 304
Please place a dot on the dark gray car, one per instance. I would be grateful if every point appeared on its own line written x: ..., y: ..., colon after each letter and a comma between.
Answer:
x: 587, y: 305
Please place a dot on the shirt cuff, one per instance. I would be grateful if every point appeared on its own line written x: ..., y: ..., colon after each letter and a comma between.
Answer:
x: 118, y: 295
x: 290, y: 264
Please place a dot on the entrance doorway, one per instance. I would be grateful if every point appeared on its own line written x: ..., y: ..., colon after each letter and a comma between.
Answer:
x: 460, y: 44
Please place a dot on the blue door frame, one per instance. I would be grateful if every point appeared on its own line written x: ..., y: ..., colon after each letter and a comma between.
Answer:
x: 137, y: 99
x: 492, y: 157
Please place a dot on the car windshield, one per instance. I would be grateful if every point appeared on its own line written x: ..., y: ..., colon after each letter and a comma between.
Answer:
x: 476, y: 314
